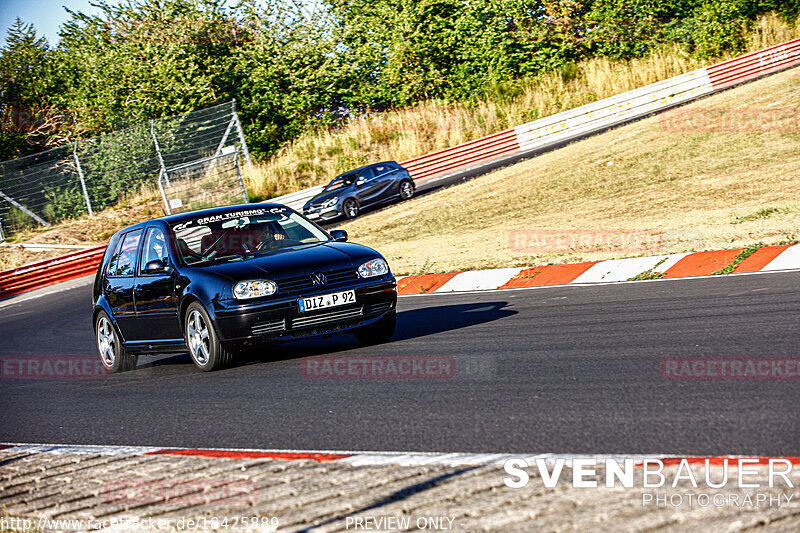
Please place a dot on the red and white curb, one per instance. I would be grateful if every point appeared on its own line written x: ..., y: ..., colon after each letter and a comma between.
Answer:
x: 765, y: 259
x: 359, y: 458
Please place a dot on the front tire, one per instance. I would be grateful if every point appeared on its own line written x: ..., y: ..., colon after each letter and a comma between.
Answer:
x: 350, y: 208
x: 202, y: 340
x: 406, y: 190
x: 379, y: 332
x: 113, y: 355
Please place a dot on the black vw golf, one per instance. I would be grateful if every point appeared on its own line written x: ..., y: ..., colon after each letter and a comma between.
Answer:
x: 219, y: 280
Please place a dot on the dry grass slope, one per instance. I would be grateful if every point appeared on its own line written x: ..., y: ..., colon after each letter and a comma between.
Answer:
x: 412, y: 234
x: 405, y: 133
x: 696, y: 189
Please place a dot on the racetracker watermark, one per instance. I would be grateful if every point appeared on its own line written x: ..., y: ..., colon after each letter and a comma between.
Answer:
x: 531, y: 241
x: 52, y: 367
x: 260, y: 523
x: 373, y: 367
x: 730, y: 368
x: 399, y: 523
x: 181, y: 492
x: 743, y: 120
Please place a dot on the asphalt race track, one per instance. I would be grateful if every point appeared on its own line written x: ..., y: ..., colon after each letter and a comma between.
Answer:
x: 560, y: 369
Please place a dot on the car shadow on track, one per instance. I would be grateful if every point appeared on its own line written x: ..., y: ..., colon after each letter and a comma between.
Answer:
x: 438, y: 319
x: 411, y: 324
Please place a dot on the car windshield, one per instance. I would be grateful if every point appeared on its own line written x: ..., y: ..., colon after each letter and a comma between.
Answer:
x: 242, y: 232
x: 345, y: 180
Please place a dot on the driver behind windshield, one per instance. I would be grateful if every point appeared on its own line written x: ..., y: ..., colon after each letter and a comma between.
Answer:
x: 205, y: 240
x: 266, y: 233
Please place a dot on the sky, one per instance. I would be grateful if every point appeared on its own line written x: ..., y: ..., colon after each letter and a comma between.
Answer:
x: 46, y: 15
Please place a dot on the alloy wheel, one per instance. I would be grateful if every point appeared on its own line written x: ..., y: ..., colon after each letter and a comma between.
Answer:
x: 106, y: 343
x: 197, y: 333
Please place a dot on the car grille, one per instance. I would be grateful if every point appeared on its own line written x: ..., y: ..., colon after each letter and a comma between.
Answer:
x: 274, y: 326
x: 321, y: 330
x: 301, y: 283
x: 319, y: 323
x: 325, y: 318
x: 379, y: 307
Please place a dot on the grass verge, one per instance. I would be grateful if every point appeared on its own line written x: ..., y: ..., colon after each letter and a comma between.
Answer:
x: 643, y: 189
x: 317, y: 157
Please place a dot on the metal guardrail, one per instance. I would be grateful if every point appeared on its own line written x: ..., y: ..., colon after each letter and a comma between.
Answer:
x: 50, y: 271
x: 590, y: 118
x: 535, y: 135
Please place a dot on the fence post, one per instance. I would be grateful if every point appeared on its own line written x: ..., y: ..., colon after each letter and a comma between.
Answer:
x: 24, y: 209
x: 225, y: 135
x: 158, y: 150
x: 221, y: 144
x: 163, y: 194
x: 239, y: 175
x: 2, y: 235
x: 80, y: 175
x: 241, y: 134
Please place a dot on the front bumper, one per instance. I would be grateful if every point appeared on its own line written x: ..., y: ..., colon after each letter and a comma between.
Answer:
x: 315, y: 213
x: 280, y: 318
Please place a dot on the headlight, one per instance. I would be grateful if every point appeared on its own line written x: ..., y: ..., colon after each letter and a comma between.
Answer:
x: 373, y: 267
x: 330, y: 203
x: 254, y: 288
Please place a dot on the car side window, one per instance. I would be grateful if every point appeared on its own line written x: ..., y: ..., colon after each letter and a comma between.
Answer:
x: 124, y: 259
x: 366, y: 175
x: 155, y: 248
x: 112, y: 263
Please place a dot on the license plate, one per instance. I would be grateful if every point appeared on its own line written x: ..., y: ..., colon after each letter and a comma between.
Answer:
x: 326, y: 300
x: 312, y: 215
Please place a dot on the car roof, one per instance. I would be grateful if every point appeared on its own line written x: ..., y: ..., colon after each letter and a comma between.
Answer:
x: 368, y: 166
x: 189, y: 215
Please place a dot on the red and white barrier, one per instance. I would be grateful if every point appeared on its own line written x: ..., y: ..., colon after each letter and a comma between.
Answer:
x: 539, y: 134
x: 357, y: 458
x: 50, y: 271
x: 766, y: 259
x: 590, y: 118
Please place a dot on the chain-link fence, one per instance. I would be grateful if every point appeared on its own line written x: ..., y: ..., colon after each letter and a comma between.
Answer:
x: 95, y: 173
x: 207, y: 182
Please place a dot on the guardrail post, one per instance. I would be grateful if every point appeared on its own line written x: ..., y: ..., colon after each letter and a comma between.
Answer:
x: 80, y: 175
x: 158, y: 151
x: 241, y: 134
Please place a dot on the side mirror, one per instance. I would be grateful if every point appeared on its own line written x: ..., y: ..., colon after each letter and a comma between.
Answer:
x: 156, y: 266
x: 339, y: 235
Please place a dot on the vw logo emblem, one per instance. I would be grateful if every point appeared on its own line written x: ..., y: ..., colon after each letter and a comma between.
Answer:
x: 318, y: 278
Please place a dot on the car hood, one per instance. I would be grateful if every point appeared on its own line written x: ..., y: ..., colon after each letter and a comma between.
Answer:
x: 294, y: 261
x: 320, y: 198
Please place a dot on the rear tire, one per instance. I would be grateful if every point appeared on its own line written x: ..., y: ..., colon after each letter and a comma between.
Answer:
x: 350, y: 208
x: 380, y: 331
x: 406, y: 189
x: 113, y: 355
x: 202, y: 340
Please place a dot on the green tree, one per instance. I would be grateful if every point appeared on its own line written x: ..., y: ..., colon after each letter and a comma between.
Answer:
x: 25, y: 85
